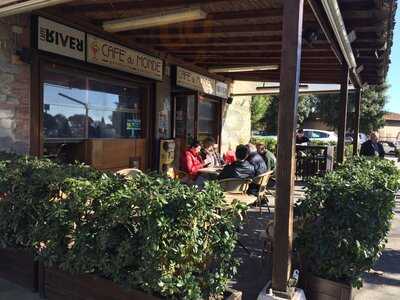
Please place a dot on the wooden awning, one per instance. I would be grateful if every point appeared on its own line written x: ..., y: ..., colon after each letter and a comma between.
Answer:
x: 248, y: 33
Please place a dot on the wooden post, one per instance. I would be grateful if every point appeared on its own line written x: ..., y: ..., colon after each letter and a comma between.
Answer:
x: 357, y: 104
x: 344, y: 94
x: 287, y: 122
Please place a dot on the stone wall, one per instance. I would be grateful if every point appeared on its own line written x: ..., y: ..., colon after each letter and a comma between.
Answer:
x: 14, y: 85
x: 236, y: 120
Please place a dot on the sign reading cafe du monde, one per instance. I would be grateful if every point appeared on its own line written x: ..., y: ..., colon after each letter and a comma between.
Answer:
x: 60, y: 39
x: 108, y: 54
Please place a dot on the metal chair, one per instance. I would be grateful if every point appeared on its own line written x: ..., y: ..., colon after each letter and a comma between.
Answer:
x: 131, y: 172
x: 235, y: 188
x: 182, y: 176
x: 262, y: 181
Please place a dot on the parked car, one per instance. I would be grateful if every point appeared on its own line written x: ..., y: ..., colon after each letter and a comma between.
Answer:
x: 263, y: 135
x: 389, y: 147
x: 321, y: 135
x: 349, y: 138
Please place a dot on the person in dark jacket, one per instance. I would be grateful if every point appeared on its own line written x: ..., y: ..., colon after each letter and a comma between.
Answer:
x: 256, y: 160
x: 241, y: 168
x: 372, y: 147
x: 301, y: 138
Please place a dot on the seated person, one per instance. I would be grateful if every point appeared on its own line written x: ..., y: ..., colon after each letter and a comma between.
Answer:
x: 301, y: 138
x: 256, y: 160
x: 191, y: 161
x: 229, y: 157
x: 210, y: 154
x: 241, y: 168
x: 268, y: 156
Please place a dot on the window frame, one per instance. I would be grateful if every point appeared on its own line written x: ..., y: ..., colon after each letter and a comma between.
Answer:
x: 40, y: 58
x: 105, y: 75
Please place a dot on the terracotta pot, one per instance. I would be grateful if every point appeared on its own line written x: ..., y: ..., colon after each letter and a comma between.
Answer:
x: 317, y: 288
x: 18, y: 266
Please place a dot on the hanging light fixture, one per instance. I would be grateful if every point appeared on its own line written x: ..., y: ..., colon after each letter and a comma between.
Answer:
x: 154, y: 20
x: 27, y: 6
x: 243, y: 69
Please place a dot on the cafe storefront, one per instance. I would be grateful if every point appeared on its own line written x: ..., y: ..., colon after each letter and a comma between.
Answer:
x: 96, y: 101
x: 95, y: 98
x: 198, y: 102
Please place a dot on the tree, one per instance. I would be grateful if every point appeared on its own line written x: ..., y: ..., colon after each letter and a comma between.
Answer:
x: 259, y: 106
x: 372, y: 109
x: 305, y: 107
x: 264, y: 110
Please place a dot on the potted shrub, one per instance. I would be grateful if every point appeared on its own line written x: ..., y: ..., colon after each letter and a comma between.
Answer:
x: 101, y: 235
x: 148, y: 235
x: 28, y: 187
x: 345, y: 221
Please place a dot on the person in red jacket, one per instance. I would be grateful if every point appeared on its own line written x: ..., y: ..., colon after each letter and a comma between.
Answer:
x: 191, y: 161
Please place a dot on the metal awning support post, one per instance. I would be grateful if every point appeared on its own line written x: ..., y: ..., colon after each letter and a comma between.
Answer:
x: 287, y: 121
x: 344, y: 95
x: 357, y: 104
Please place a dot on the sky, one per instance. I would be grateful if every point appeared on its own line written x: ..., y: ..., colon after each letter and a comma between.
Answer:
x: 393, y: 79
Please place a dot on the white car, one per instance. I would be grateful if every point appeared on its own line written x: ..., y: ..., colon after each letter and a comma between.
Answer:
x: 321, y: 135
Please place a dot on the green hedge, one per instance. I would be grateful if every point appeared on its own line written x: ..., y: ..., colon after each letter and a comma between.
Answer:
x: 147, y: 232
x: 270, y: 143
x: 346, y: 218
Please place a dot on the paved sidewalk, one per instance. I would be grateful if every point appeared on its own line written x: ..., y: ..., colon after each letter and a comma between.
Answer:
x: 387, y: 285
x: 9, y: 291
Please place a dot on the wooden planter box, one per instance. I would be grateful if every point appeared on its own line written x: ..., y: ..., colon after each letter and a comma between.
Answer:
x: 18, y: 266
x: 317, y: 288
x: 59, y: 285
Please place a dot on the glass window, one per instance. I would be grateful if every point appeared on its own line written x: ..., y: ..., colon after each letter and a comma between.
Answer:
x: 207, y: 119
x: 318, y: 134
x: 185, y: 108
x: 78, y: 107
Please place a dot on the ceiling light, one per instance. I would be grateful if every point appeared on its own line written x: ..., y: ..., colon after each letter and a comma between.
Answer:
x: 243, y: 69
x: 27, y: 6
x: 154, y: 20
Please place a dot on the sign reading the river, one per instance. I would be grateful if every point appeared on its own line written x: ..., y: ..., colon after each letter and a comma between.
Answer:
x: 60, y: 39
x: 108, y: 54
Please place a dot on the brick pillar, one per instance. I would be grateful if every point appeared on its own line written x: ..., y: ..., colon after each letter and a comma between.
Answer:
x: 14, y: 85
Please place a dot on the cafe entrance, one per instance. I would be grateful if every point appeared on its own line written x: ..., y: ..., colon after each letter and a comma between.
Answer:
x: 198, y: 105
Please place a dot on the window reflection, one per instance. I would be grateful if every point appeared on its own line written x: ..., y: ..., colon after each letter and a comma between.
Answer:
x: 78, y: 107
x: 207, y: 116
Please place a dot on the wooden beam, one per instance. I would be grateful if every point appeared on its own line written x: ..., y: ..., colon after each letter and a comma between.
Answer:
x: 170, y: 30
x: 287, y: 122
x: 226, y: 49
x: 370, y: 37
x: 252, y: 61
x: 123, y: 6
x: 357, y: 121
x: 321, y: 55
x: 344, y: 95
x: 184, y: 41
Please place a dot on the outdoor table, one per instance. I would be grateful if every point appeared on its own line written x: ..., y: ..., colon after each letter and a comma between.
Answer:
x: 210, y: 173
